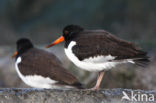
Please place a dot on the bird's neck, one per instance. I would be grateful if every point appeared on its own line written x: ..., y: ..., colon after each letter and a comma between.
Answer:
x: 67, y: 43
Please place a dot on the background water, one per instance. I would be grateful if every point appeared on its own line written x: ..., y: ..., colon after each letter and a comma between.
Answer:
x: 43, y: 21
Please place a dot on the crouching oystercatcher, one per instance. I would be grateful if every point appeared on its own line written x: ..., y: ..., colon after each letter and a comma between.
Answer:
x: 41, y: 69
x: 98, y: 50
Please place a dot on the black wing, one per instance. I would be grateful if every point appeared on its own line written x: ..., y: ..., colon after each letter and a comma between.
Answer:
x: 96, y: 43
x: 47, y: 65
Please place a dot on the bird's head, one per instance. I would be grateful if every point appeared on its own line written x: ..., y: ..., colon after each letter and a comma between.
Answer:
x: 69, y: 32
x: 23, y: 45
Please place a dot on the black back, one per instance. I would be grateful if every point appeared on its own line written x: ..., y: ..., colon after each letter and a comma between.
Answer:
x: 92, y: 43
x: 39, y: 62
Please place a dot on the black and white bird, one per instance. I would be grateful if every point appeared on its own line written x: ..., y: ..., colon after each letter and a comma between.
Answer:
x: 41, y: 69
x: 98, y: 50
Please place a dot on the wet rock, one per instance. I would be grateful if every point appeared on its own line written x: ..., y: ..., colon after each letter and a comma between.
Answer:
x: 73, y: 96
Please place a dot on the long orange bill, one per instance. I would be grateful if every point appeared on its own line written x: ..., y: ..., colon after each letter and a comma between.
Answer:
x: 59, y: 40
x: 14, y: 55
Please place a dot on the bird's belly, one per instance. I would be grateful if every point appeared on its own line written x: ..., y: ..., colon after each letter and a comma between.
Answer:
x: 89, y: 66
x: 95, y: 67
x: 36, y: 81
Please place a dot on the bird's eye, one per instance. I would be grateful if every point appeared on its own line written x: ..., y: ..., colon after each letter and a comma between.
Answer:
x: 66, y: 32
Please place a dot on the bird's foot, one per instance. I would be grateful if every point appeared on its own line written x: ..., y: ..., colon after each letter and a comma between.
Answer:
x: 94, y: 88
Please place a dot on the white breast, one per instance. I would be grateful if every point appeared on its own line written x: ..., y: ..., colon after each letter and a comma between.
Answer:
x: 98, y: 63
x: 36, y: 81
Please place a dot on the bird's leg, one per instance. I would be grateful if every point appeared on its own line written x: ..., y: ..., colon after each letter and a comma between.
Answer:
x: 99, y: 79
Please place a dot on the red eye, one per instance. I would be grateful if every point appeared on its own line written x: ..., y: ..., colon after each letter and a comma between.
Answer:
x: 66, y: 32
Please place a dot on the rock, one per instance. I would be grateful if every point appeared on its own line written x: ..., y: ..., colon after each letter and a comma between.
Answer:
x: 31, y: 95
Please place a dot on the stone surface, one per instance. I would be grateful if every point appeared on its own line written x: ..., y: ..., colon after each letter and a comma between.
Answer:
x: 30, y: 95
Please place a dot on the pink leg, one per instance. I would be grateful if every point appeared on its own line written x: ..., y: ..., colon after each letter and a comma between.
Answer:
x: 99, y: 79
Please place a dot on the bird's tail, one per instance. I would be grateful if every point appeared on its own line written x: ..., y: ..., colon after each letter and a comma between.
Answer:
x: 78, y: 85
x: 141, y: 59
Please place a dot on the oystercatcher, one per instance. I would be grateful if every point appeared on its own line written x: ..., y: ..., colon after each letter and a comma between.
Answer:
x: 41, y: 69
x: 98, y: 50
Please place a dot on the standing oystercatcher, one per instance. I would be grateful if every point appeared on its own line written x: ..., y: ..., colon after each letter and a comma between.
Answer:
x: 41, y: 69
x: 98, y: 50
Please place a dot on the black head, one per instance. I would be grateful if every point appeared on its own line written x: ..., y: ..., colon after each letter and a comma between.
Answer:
x: 71, y: 31
x: 23, y: 45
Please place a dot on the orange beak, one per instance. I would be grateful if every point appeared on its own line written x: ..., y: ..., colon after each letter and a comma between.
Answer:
x: 14, y: 55
x: 59, y: 40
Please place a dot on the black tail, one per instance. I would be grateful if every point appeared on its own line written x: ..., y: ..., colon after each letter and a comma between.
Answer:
x: 78, y: 85
x: 141, y: 59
